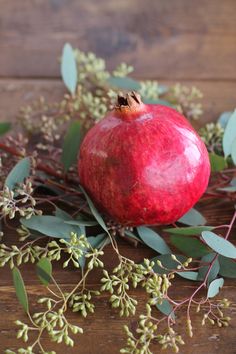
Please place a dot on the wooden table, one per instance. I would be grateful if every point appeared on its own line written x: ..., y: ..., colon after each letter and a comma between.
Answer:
x: 193, y: 42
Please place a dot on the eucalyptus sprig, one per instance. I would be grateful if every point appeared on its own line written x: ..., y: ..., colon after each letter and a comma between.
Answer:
x: 55, y: 218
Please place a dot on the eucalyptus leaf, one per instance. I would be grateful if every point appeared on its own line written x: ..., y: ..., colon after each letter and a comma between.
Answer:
x: 190, y: 275
x: 219, y: 244
x: 215, y: 287
x: 98, y: 240
x: 18, y: 174
x: 167, y: 262
x: 153, y: 240
x: 94, y: 211
x: 214, y: 269
x: 50, y: 226
x: 20, y: 289
x: 69, y: 68
x: 162, y: 89
x: 71, y: 145
x: 227, y: 267
x: 95, y: 242
x: 193, y: 218
x: 231, y: 187
x: 224, y: 118
x: 132, y: 235
x: 218, y: 163
x: 82, y: 229
x: 82, y: 261
x: 166, y: 308
x: 229, y: 134
x: 157, y: 101
x: 4, y: 127
x: 188, y: 230
x: 61, y: 214
x: 233, y: 182
x: 233, y: 151
x: 190, y: 246
x: 125, y: 83
x: 44, y: 271
x: 82, y: 222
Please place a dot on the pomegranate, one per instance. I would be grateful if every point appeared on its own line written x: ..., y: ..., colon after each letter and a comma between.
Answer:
x: 143, y: 164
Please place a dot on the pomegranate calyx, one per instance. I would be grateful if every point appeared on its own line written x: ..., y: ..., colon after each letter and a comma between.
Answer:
x: 131, y: 99
x: 128, y: 105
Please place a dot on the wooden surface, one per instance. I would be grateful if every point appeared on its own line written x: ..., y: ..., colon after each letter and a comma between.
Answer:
x: 191, y: 41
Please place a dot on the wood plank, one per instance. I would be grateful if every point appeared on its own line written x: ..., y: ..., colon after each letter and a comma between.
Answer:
x: 163, y: 39
x: 218, y: 95
x: 103, y: 332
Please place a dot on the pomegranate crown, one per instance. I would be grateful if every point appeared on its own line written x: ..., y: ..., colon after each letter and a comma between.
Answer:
x: 131, y: 100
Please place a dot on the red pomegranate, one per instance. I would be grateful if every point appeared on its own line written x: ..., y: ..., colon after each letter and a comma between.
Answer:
x: 143, y: 164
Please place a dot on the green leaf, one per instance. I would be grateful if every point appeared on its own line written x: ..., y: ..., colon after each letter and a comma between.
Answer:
x: 168, y: 263
x: 233, y: 182
x: 44, y: 271
x: 50, y: 226
x: 82, y: 229
x: 61, y: 214
x: 166, y: 308
x: 193, y: 218
x: 95, y: 242
x: 82, y: 222
x: 162, y: 89
x: 224, y: 118
x: 20, y: 289
x: 124, y: 83
x: 214, y: 269
x: 69, y: 68
x: 71, y: 145
x: 215, y: 287
x: 233, y: 151
x: 219, y: 244
x: 231, y: 188
x: 188, y: 275
x: 94, y: 211
x: 4, y: 127
x: 18, y: 174
x: 157, y: 101
x: 132, y: 235
x: 228, y: 189
x: 153, y: 240
x: 98, y: 241
x: 192, y: 247
x: 229, y: 134
x: 218, y: 163
x: 227, y: 267
x: 189, y: 230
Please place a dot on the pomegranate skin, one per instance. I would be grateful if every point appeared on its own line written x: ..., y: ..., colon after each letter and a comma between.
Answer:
x: 143, y: 165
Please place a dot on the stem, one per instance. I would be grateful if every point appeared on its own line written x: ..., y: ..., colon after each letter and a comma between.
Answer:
x: 231, y: 225
x: 11, y: 150
x: 210, y: 267
x: 40, y: 166
x: 203, y: 284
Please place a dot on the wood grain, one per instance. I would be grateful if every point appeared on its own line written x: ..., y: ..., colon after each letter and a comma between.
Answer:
x: 165, y: 39
x: 103, y: 332
x: 185, y: 40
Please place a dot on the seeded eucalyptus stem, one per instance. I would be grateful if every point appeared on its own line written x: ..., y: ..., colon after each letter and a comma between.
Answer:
x: 44, y: 155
